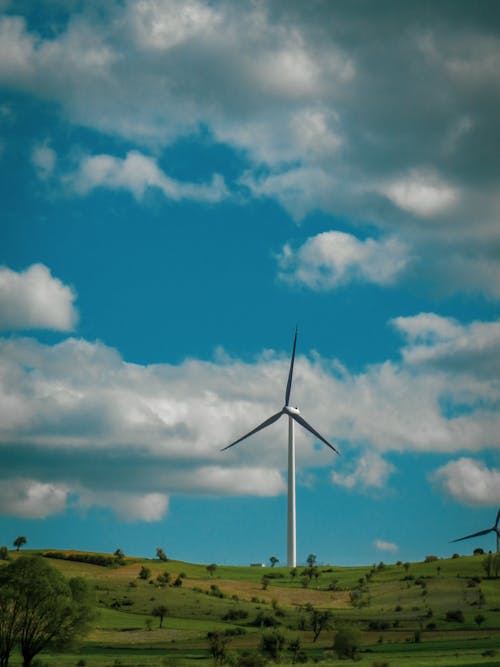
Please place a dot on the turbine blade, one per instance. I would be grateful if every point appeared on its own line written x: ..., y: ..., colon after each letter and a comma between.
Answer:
x: 481, y: 532
x: 265, y: 423
x: 290, y: 372
x: 300, y: 420
x: 498, y: 519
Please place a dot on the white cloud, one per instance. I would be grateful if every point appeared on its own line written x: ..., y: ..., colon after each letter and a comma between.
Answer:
x: 34, y: 299
x: 43, y: 159
x: 137, y: 172
x: 325, y: 119
x: 31, y: 499
x: 422, y: 193
x: 331, y: 259
x: 469, y: 481
x: 445, y: 343
x: 382, y: 545
x: 369, y: 471
x: 159, y: 429
x: 128, y: 506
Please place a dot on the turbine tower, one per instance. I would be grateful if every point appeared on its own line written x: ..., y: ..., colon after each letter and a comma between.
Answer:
x: 493, y: 529
x: 293, y: 416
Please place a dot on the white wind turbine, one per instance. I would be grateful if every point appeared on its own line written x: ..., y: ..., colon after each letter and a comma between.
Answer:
x: 494, y: 529
x: 293, y: 416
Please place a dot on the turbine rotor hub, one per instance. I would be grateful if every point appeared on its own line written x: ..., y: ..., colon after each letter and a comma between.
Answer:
x: 290, y: 410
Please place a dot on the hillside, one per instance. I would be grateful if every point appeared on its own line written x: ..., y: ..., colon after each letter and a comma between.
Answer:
x: 441, y: 612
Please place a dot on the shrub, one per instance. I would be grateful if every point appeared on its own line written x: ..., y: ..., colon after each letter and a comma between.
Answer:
x: 235, y: 615
x: 430, y: 559
x: 455, y: 615
x: 347, y: 642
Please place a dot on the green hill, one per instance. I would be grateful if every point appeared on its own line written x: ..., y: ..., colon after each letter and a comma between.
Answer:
x: 442, y: 612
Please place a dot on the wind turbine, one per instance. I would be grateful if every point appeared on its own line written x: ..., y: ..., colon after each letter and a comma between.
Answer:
x: 293, y: 416
x: 494, y: 529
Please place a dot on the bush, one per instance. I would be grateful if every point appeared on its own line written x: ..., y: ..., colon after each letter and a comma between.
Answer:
x: 4, y: 553
x: 430, y: 559
x: 235, y: 615
x: 347, y: 642
x: 455, y: 615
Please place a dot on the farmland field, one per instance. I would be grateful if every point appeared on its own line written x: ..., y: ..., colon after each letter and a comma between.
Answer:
x: 439, y: 613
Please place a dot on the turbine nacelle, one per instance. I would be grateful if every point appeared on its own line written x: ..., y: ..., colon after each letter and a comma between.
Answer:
x: 291, y: 410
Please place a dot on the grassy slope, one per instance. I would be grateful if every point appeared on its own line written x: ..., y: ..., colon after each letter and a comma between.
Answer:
x: 391, y: 604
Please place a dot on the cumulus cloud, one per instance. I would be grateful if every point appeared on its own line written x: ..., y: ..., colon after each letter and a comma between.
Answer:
x: 369, y: 471
x: 423, y: 194
x: 401, y: 137
x: 43, y: 159
x: 469, y: 481
x: 382, y: 545
x: 332, y: 259
x: 34, y: 299
x: 137, y: 172
x: 158, y: 429
x: 129, y: 507
x: 444, y: 342
x: 32, y: 499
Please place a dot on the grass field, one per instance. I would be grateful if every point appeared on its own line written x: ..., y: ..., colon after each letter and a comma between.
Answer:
x: 403, y: 612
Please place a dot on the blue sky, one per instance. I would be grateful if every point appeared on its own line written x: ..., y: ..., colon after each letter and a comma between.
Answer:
x: 182, y: 183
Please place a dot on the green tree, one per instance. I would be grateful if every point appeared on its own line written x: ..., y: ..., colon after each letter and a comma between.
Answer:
x: 40, y: 609
x: 274, y: 560
x: 272, y: 644
x: 347, y: 642
x: 160, y: 612
x: 487, y: 564
x: 479, y: 619
x: 217, y: 646
x: 319, y: 621
x: 311, y: 560
x: 19, y: 542
x: 145, y: 573
x: 211, y: 569
x: 4, y: 553
x: 161, y: 555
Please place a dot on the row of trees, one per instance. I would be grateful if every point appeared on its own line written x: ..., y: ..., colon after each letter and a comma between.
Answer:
x: 39, y: 608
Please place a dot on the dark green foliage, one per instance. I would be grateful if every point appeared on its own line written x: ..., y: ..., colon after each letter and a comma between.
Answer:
x: 211, y: 569
x: 91, y: 559
x: 263, y: 620
x: 479, y: 619
x: 4, y: 553
x: 431, y: 559
x: 217, y: 646
x: 272, y: 644
x: 311, y: 560
x: 235, y: 615
x: 161, y: 555
x: 145, y: 573
x: 19, y: 542
x: 39, y: 608
x: 347, y: 642
x: 274, y: 560
x: 455, y: 615
x: 160, y: 612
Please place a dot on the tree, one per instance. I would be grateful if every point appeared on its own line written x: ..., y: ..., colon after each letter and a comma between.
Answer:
x: 161, y: 555
x: 19, y: 542
x: 4, y: 553
x: 211, y: 569
x: 119, y: 553
x: 145, y: 573
x: 347, y: 642
x: 479, y: 619
x: 160, y: 612
x: 311, y: 560
x: 274, y: 560
x: 319, y: 620
x: 272, y: 644
x: 217, y: 646
x: 39, y: 608
x: 488, y: 565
